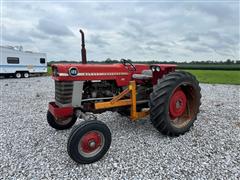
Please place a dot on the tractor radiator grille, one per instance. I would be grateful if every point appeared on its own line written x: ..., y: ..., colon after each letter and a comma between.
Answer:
x: 63, y: 92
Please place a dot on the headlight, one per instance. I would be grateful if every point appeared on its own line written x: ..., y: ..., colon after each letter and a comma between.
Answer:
x: 153, y: 68
x: 158, y: 68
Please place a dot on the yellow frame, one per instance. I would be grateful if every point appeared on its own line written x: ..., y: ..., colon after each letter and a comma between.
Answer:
x: 117, y: 102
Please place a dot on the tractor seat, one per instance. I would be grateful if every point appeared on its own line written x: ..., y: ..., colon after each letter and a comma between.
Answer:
x: 146, y: 74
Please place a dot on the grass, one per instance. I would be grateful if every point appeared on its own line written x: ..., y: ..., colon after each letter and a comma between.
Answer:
x: 211, y: 76
x: 49, y: 70
x: 217, y: 76
x: 235, y: 67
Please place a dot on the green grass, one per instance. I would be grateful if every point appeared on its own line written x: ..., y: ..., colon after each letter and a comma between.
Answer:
x: 49, y: 70
x: 210, y: 76
x: 228, y: 67
x: 217, y: 76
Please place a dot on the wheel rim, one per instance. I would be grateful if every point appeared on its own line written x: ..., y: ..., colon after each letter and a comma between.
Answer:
x: 178, y: 103
x: 182, y: 105
x: 18, y: 75
x: 26, y: 75
x: 91, y: 143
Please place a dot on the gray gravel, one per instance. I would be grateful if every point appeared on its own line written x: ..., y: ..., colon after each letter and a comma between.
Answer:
x: 29, y: 148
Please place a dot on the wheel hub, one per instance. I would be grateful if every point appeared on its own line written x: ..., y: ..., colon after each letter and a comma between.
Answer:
x: 177, y: 104
x: 90, y: 142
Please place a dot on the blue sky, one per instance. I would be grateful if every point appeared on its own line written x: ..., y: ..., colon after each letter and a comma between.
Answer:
x: 137, y: 30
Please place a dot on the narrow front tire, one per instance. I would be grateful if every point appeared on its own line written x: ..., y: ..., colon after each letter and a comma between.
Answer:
x: 60, y: 124
x: 89, y: 142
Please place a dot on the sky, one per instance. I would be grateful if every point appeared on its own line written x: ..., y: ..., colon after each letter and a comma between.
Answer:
x: 136, y: 30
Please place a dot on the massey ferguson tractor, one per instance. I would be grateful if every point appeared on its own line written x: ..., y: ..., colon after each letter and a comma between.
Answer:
x: 171, y: 98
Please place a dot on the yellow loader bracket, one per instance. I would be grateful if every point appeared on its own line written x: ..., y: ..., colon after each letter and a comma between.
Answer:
x: 117, y: 101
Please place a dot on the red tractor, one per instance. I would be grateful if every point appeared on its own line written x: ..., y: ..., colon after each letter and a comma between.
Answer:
x: 172, y: 98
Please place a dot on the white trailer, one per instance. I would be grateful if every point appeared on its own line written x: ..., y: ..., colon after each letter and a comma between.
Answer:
x: 15, y: 61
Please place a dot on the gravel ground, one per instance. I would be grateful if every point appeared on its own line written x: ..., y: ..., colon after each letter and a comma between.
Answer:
x: 30, y: 149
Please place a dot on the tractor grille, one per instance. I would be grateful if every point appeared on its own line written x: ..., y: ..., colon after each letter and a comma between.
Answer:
x: 63, y: 92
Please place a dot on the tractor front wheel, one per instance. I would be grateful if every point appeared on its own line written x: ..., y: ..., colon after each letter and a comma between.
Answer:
x: 175, y: 103
x: 60, y: 124
x: 89, y: 142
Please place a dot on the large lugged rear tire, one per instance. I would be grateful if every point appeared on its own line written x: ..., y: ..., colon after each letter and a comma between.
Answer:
x: 175, y: 103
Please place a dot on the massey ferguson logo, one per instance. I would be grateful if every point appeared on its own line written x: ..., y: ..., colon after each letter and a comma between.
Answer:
x: 73, y: 71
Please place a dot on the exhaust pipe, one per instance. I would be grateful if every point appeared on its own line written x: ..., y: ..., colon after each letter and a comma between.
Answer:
x: 83, y: 50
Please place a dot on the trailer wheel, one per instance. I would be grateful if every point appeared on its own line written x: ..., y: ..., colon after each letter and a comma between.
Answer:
x: 89, y: 142
x: 26, y: 74
x: 60, y: 124
x: 175, y: 103
x: 18, y: 75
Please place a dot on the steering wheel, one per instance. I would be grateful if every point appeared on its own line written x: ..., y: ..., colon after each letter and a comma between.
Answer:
x: 125, y: 62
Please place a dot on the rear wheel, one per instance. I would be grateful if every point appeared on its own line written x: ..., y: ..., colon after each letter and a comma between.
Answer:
x: 175, y: 103
x: 60, y: 124
x: 89, y: 142
x: 26, y: 75
x: 18, y: 75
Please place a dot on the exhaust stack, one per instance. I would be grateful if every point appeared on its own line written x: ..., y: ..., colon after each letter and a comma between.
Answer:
x: 83, y: 50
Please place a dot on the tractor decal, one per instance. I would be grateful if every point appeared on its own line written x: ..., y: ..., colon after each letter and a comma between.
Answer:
x: 97, y: 74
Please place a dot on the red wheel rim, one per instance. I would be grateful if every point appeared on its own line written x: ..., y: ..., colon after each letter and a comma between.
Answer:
x: 91, y: 143
x: 178, y: 103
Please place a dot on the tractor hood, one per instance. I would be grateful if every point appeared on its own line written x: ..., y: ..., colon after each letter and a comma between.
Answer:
x: 89, y: 68
x: 122, y: 74
x: 85, y: 72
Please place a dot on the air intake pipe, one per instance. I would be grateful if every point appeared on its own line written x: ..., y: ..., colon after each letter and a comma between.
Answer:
x: 83, y: 50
